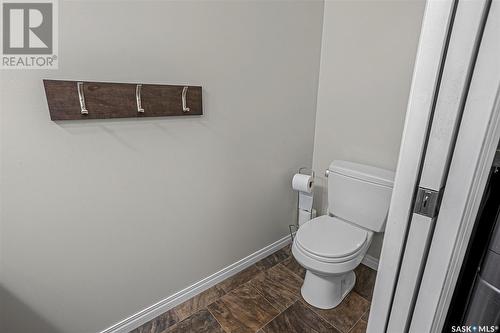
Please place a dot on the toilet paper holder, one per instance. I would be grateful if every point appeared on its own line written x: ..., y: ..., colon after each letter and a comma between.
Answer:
x: 305, y: 171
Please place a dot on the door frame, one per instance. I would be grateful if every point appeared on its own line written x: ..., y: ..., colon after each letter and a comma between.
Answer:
x: 472, y: 159
x: 437, y: 20
x: 473, y: 153
x: 464, y: 41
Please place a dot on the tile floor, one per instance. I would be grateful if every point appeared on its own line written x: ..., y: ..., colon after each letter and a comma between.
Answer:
x: 265, y: 298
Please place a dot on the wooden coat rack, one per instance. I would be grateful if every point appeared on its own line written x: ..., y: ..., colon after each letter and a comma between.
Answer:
x: 74, y: 100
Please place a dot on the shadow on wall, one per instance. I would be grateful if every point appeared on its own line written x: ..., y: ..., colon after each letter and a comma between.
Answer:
x: 17, y: 317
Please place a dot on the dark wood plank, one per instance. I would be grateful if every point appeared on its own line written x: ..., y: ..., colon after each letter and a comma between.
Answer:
x: 242, y: 310
x: 298, y: 318
x: 279, y: 286
x: 198, y: 302
x: 117, y: 100
x: 202, y: 321
x: 345, y: 315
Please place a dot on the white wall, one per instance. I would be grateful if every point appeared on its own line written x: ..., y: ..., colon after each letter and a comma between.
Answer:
x: 367, y: 56
x: 103, y: 218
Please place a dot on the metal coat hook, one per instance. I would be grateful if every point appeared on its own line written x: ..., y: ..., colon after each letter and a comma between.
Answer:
x: 81, y: 97
x: 184, y: 106
x: 138, y: 98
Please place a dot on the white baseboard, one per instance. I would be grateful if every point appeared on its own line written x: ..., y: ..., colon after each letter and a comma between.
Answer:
x: 370, y: 261
x: 171, y: 301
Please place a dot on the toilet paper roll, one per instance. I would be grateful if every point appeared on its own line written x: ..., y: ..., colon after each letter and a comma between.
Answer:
x: 305, y: 216
x: 302, y: 183
x: 305, y: 201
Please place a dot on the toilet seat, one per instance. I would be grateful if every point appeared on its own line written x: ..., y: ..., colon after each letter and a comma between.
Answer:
x: 330, y: 240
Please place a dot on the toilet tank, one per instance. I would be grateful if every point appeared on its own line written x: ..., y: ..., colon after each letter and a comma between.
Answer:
x: 360, y: 194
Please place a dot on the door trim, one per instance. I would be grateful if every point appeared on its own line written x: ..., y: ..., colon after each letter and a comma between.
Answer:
x: 475, y: 148
x: 428, y: 65
x: 464, y: 39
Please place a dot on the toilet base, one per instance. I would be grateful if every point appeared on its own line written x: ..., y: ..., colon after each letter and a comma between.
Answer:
x: 327, y: 291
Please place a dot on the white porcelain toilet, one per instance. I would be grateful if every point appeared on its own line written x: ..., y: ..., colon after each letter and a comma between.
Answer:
x: 329, y: 247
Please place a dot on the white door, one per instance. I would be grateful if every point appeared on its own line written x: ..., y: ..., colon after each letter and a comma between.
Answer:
x: 473, y: 155
x: 449, y: 43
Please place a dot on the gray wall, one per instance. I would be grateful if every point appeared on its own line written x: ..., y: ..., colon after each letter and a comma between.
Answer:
x: 367, y: 56
x: 103, y: 218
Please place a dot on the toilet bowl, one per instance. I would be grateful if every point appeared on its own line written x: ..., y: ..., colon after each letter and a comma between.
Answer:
x: 330, y: 247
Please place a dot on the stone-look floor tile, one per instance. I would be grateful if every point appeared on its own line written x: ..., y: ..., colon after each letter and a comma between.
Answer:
x: 298, y: 318
x: 360, y: 327
x: 367, y: 314
x: 238, y: 279
x: 294, y: 266
x: 288, y: 249
x: 201, y: 321
x: 198, y: 302
x: 347, y: 313
x: 279, y: 286
x: 272, y: 259
x: 365, y: 281
x: 158, y: 324
x: 242, y: 310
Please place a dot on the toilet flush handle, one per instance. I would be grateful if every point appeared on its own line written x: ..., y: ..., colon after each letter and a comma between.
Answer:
x: 327, y: 172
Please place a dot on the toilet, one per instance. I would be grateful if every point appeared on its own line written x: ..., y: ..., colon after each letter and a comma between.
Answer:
x: 331, y: 246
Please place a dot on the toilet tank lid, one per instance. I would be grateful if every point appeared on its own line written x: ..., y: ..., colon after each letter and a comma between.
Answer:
x: 363, y: 172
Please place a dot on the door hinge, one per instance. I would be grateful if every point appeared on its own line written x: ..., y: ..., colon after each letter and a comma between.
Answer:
x: 427, y: 202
